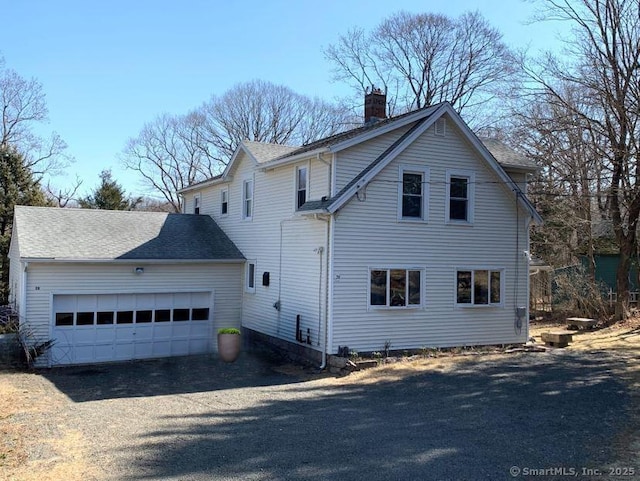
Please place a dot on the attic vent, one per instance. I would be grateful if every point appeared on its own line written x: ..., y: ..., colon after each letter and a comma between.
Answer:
x: 440, y: 127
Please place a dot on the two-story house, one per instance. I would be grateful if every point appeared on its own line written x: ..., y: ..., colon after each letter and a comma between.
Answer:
x: 404, y: 233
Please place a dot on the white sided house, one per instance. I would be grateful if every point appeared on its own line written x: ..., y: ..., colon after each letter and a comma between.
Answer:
x: 405, y: 233
x: 114, y: 285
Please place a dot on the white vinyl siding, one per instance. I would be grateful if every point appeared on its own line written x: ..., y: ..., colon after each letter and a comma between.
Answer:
x: 367, y: 234
x: 277, y: 238
x: 61, y: 278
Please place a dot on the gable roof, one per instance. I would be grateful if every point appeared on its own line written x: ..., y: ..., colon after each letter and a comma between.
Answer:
x: 51, y: 233
x: 363, y: 178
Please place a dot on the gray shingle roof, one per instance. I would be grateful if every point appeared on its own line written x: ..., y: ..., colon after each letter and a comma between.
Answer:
x: 349, y: 134
x: 506, y: 156
x: 263, y: 152
x: 86, y: 234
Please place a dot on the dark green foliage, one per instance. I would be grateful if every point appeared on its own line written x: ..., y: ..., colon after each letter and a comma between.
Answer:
x: 109, y: 195
x: 17, y: 187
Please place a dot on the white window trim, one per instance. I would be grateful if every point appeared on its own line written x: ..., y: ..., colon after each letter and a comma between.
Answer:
x: 197, y: 203
x: 416, y: 169
x: 250, y: 290
x: 471, y: 305
x: 226, y: 189
x: 471, y: 190
x: 244, y: 199
x: 398, y: 267
x: 307, y: 166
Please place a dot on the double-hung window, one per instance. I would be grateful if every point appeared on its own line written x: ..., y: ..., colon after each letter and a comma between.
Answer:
x: 224, y: 202
x: 302, y: 180
x: 247, y: 199
x: 479, y: 287
x: 413, y: 193
x: 460, y: 197
x: 196, y: 204
x: 395, y: 288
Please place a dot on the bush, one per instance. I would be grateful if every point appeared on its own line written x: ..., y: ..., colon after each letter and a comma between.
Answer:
x: 228, y: 330
x: 576, y: 294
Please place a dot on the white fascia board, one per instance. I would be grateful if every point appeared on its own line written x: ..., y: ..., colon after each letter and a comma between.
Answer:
x: 273, y: 164
x: 482, y: 149
x: 391, y: 126
x: 206, y: 183
x: 70, y: 260
x: 340, y: 201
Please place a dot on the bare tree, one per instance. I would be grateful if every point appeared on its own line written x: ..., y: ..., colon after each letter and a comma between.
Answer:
x: 602, y: 59
x: 23, y: 104
x: 173, y: 152
x: 170, y: 153
x: 265, y: 112
x: 63, y: 197
x: 421, y: 59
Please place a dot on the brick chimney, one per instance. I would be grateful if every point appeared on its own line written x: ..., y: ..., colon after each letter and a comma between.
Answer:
x: 375, y: 105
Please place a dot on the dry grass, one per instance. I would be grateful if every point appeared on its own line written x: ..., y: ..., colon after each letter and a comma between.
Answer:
x: 32, y: 445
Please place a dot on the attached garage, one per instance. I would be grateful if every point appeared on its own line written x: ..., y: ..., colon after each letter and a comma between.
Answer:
x: 148, y: 284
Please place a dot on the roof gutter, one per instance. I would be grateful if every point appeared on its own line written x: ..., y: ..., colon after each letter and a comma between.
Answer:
x: 70, y: 260
x: 273, y: 164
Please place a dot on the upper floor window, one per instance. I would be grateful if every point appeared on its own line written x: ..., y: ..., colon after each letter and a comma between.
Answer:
x: 479, y: 287
x: 224, y: 202
x: 413, y: 193
x: 247, y: 199
x: 301, y: 186
x: 460, y: 189
x: 196, y: 204
x: 395, y: 288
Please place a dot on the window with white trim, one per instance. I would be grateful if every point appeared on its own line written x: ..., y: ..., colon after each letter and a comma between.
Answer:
x: 413, y: 193
x: 196, y: 204
x: 395, y: 288
x: 250, y: 276
x: 479, y: 287
x: 302, y: 180
x: 247, y: 199
x: 460, y: 197
x: 224, y: 201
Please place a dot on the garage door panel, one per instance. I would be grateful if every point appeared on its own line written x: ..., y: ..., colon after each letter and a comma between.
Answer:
x: 144, y: 326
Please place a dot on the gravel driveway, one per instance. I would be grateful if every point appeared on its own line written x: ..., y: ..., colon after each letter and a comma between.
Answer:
x: 198, y: 419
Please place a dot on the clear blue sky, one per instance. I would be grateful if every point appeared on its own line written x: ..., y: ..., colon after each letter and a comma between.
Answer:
x: 108, y: 67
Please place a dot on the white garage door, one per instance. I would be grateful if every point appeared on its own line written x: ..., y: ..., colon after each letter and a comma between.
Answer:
x: 116, y: 327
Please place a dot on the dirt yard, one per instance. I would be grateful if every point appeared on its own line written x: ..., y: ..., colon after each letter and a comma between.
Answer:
x: 38, y: 440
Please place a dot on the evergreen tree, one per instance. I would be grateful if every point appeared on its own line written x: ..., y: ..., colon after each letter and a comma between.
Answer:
x: 109, y: 195
x: 17, y: 187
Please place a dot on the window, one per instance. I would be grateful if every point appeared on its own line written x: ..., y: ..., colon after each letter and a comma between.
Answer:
x: 196, y: 204
x: 181, y: 314
x: 247, y: 199
x: 301, y: 186
x: 163, y: 315
x: 84, y: 318
x: 224, y: 202
x: 200, y: 314
x: 64, y: 318
x: 250, y: 274
x: 105, y: 317
x: 479, y: 287
x: 460, y: 189
x: 395, y: 288
x: 124, y: 317
x: 412, y: 193
x: 144, y: 316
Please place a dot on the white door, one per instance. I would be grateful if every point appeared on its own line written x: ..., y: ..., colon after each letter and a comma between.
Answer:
x: 90, y: 328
